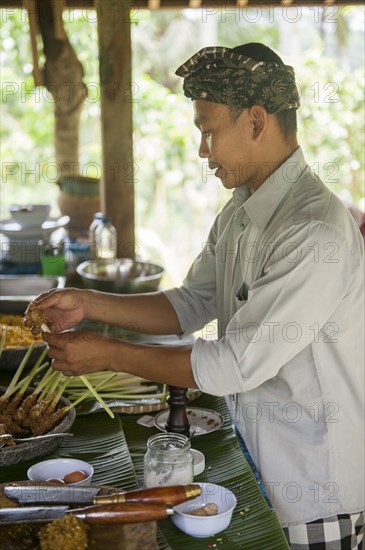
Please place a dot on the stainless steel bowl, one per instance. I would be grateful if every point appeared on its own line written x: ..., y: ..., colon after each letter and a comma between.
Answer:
x: 121, y: 276
x: 17, y: 291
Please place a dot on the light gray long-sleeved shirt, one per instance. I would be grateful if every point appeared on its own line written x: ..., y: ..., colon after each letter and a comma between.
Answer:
x: 282, y: 271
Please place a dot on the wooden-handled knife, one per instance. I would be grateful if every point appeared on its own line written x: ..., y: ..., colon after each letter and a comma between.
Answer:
x: 67, y: 494
x: 132, y: 512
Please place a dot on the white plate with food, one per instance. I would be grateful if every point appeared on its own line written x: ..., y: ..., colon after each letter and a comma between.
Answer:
x: 202, y: 421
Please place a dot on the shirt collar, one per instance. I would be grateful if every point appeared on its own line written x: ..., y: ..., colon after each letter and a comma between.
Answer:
x: 260, y: 205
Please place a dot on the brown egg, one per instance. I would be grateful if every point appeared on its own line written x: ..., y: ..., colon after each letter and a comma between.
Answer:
x: 57, y: 480
x: 74, y: 477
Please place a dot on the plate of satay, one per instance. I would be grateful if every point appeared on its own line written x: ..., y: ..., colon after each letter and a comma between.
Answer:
x: 24, y: 416
x: 28, y: 412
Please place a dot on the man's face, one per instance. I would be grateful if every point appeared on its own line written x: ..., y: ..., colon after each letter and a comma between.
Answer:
x: 226, y: 143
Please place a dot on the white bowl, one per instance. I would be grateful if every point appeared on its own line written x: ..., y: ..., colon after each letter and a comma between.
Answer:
x: 57, y: 468
x: 30, y: 215
x: 206, y: 526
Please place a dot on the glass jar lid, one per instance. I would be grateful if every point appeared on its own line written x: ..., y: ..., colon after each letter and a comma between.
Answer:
x: 171, y: 443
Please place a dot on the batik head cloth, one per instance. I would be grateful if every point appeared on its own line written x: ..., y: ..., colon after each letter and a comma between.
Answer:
x: 223, y: 76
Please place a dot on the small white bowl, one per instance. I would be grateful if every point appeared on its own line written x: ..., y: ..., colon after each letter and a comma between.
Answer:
x: 57, y: 468
x: 206, y: 526
x: 198, y: 462
x: 31, y: 215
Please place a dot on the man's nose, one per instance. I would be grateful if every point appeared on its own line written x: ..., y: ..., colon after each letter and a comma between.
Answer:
x: 203, y: 148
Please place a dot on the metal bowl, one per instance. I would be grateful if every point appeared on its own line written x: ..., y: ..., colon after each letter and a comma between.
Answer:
x: 121, y: 276
x: 17, y: 291
x: 22, y: 452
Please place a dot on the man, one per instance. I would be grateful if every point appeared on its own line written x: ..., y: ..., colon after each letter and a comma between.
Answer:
x: 282, y: 273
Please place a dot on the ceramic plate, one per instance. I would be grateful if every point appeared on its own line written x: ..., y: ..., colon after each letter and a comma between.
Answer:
x: 202, y: 421
x: 131, y: 406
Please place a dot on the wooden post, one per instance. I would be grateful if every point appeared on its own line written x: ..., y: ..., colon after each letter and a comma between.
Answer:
x: 117, y: 97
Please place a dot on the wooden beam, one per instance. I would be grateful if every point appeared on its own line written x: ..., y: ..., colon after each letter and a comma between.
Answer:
x: 117, y: 97
x: 10, y: 5
x: 154, y: 4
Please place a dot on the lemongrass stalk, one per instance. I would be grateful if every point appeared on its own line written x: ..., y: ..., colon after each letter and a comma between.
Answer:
x: 58, y: 395
x: 117, y: 380
x: 51, y: 388
x: 41, y: 389
x: 131, y: 389
x: 81, y: 389
x: 115, y: 383
x: 86, y: 394
x: 20, y: 369
x: 132, y: 396
x: 117, y: 391
x: 26, y: 381
x: 102, y: 375
x: 46, y: 394
x: 20, y: 384
x: 96, y: 395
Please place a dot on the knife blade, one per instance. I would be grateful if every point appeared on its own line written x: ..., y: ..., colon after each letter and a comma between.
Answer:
x: 66, y: 494
x: 133, y: 512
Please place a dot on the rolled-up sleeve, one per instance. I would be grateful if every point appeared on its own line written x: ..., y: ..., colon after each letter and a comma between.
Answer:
x: 195, y: 302
x: 303, y: 283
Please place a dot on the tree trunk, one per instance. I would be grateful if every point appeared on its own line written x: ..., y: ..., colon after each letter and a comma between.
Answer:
x: 118, y: 93
x: 63, y: 74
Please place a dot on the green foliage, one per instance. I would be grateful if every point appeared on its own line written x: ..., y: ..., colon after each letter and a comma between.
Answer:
x: 175, y: 201
x: 331, y: 122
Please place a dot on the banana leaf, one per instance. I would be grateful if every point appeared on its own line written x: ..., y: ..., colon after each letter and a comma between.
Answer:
x: 254, y: 525
x: 102, y: 441
x: 99, y: 440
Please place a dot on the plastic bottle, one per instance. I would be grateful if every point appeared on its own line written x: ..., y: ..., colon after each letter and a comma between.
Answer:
x: 98, y: 220
x: 106, y: 240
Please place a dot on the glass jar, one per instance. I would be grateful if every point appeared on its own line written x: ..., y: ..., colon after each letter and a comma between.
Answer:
x: 168, y: 460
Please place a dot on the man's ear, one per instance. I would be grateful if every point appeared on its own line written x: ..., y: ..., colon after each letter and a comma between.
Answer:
x: 259, y: 119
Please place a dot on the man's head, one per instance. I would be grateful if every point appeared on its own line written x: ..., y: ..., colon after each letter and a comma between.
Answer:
x: 244, y: 102
x: 287, y: 118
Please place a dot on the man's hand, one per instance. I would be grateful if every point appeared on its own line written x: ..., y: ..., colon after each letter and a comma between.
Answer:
x: 80, y: 352
x: 63, y: 308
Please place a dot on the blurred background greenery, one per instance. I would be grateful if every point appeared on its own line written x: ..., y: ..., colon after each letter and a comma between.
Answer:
x: 176, y: 201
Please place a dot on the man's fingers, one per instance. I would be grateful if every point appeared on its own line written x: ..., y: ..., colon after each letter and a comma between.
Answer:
x: 63, y: 367
x: 55, y: 353
x: 51, y: 300
x: 53, y: 339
